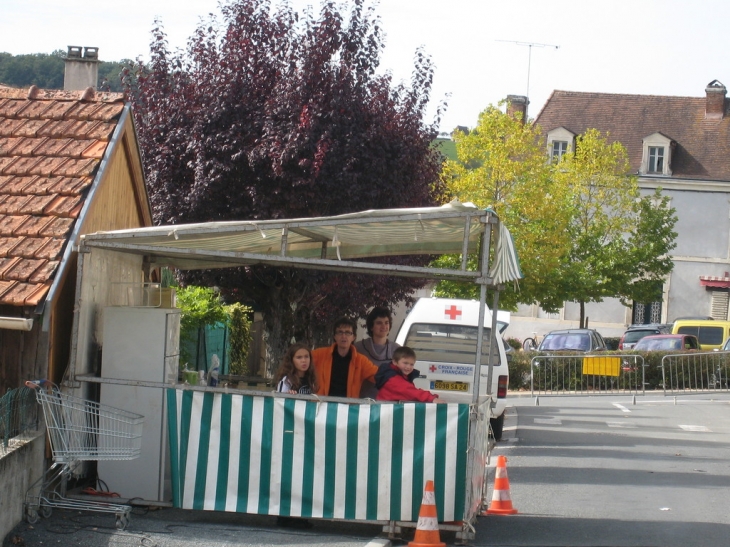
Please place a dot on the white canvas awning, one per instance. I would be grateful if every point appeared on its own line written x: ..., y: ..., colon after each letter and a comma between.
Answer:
x: 332, y: 243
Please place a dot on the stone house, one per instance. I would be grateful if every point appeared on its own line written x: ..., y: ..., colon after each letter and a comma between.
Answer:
x: 681, y: 144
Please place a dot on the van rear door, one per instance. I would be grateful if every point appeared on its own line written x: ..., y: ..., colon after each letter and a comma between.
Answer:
x: 445, y: 356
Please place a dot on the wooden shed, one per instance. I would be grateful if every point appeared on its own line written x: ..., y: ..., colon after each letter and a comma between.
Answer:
x: 69, y: 165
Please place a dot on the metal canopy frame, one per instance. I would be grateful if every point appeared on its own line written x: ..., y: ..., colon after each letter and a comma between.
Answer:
x: 339, y: 243
x: 344, y: 243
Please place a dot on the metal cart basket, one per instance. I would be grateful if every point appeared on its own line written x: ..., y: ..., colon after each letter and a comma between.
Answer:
x: 80, y: 430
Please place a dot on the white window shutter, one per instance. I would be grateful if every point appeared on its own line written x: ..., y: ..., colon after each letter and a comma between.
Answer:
x: 720, y: 300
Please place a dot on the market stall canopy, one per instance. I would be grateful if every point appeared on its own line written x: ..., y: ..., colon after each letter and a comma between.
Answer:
x: 326, y: 242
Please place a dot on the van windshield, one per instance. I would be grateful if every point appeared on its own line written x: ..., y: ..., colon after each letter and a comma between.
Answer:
x: 448, y: 343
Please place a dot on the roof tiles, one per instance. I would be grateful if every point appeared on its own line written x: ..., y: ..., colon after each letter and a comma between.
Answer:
x: 51, y: 144
x: 702, y: 145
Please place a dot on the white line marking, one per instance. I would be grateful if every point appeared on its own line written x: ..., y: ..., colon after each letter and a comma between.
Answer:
x: 625, y: 425
x: 551, y: 421
x: 694, y: 428
x: 379, y: 542
x: 621, y: 407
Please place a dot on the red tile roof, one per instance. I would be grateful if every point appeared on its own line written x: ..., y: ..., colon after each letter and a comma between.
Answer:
x: 702, y: 145
x: 51, y: 145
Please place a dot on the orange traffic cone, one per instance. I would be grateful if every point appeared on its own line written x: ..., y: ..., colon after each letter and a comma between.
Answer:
x: 427, y: 529
x: 501, y: 499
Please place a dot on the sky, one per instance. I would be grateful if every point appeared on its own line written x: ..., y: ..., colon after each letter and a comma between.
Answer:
x: 479, y: 47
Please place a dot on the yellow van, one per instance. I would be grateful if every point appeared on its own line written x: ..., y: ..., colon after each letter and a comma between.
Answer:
x: 711, y: 334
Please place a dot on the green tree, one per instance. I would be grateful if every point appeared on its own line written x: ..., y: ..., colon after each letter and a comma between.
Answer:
x: 612, y: 231
x: 501, y: 164
x: 47, y: 71
x: 240, y: 341
x: 199, y: 306
x: 41, y: 69
x: 648, y: 261
x: 110, y: 75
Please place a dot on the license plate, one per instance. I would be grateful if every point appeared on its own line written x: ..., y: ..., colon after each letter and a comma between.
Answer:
x: 450, y: 386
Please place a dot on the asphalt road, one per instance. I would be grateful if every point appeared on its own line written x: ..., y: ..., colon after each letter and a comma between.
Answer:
x: 600, y: 471
x: 583, y: 471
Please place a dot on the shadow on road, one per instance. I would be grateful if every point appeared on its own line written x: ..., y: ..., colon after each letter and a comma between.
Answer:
x: 540, y: 531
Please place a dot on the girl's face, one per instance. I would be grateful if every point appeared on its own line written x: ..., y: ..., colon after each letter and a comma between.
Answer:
x: 301, y: 361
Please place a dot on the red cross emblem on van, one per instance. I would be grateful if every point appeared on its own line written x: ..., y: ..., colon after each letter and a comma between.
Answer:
x: 433, y: 368
x: 452, y: 312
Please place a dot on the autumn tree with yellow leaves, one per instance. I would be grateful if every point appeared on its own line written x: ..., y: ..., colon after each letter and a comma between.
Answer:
x: 501, y: 164
x: 581, y: 228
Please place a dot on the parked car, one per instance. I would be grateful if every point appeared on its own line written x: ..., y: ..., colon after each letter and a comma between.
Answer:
x: 636, y: 332
x: 584, y: 340
x: 710, y: 333
x: 725, y: 346
x: 695, y: 318
x: 668, y: 342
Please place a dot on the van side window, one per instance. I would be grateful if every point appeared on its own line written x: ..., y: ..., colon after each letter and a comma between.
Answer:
x: 694, y: 331
x: 711, y: 335
x: 705, y: 335
x: 448, y: 343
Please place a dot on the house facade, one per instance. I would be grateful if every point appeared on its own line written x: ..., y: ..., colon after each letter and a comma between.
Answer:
x: 69, y: 165
x: 682, y: 145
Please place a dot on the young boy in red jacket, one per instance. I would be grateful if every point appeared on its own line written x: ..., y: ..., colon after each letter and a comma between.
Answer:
x: 394, y: 380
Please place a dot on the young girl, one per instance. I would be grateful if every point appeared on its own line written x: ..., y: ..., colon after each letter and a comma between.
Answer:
x: 296, y: 373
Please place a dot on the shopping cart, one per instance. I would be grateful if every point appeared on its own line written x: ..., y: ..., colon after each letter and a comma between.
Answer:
x: 80, y: 430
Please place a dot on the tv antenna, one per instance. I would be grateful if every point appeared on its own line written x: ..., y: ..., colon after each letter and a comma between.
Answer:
x: 529, y: 45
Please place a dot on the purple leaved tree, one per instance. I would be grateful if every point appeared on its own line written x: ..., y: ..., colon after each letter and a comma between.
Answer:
x: 273, y: 114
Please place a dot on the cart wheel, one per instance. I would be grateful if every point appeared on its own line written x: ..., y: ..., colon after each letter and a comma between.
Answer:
x: 45, y: 511
x: 31, y: 515
x: 122, y: 521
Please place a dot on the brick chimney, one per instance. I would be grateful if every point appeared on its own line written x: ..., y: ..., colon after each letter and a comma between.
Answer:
x: 517, y: 104
x: 81, y: 72
x: 715, y: 101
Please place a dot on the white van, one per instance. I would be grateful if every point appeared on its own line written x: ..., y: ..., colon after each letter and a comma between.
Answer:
x: 443, y: 333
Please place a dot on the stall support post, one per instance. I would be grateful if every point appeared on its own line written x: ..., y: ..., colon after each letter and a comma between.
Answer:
x: 393, y: 530
x: 492, y: 347
x: 483, y: 281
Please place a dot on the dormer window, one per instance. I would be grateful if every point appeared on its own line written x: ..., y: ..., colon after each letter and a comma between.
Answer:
x: 656, y: 160
x: 560, y: 142
x: 558, y: 150
x: 657, y: 156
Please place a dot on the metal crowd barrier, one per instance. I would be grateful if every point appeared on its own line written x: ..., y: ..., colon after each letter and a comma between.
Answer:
x: 588, y: 374
x: 689, y: 372
x: 18, y: 416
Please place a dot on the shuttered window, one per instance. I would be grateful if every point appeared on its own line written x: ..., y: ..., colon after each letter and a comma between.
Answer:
x: 720, y: 301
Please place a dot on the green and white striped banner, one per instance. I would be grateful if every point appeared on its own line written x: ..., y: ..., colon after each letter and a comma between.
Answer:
x: 288, y: 456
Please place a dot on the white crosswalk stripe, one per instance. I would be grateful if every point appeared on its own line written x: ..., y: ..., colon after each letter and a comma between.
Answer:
x: 551, y: 421
x: 695, y: 428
